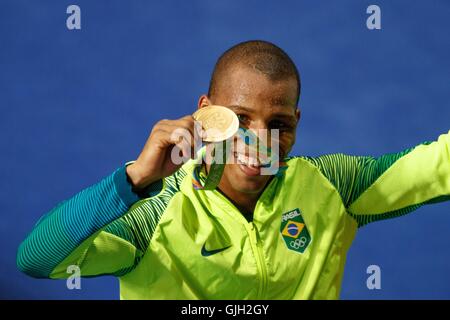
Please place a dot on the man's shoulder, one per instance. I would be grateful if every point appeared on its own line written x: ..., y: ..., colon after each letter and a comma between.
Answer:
x: 333, y: 166
x: 324, y: 161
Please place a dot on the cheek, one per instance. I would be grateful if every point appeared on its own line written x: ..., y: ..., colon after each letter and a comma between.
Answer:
x: 285, y: 143
x: 229, y: 169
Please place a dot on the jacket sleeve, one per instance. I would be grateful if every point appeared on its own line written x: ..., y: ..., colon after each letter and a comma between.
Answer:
x: 393, y: 184
x: 104, y: 229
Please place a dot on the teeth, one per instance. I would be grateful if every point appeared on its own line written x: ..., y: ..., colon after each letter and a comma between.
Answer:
x: 248, y: 161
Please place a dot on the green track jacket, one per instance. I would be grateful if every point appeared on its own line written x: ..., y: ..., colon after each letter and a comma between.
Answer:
x: 175, y: 242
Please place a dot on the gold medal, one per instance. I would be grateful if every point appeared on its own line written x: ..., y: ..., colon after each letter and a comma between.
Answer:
x: 219, y: 123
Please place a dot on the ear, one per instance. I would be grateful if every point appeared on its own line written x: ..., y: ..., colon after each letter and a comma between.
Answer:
x: 298, y: 114
x: 203, y: 101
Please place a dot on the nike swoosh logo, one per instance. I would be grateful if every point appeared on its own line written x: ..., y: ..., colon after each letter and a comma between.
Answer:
x: 207, y: 253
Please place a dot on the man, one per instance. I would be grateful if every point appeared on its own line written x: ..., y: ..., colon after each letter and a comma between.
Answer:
x: 255, y: 236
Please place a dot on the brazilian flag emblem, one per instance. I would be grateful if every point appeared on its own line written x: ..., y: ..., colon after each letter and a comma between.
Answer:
x: 294, y: 232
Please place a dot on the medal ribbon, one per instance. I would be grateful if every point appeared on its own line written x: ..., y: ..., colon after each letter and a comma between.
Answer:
x: 203, y: 181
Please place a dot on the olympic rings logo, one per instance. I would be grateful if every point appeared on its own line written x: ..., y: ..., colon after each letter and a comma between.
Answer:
x: 298, y: 243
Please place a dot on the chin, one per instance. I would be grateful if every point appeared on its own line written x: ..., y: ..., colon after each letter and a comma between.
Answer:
x: 244, y: 183
x: 250, y: 188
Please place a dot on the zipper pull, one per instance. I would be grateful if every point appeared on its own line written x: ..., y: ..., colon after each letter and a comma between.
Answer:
x: 254, y: 233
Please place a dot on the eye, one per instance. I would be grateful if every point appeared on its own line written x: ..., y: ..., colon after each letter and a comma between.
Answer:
x: 242, y: 118
x: 281, y: 125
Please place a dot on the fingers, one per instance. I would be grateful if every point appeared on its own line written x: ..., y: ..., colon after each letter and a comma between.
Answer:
x: 182, y: 132
x: 169, y: 141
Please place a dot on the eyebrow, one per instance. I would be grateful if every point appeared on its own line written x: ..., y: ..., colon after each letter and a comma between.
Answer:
x: 240, y: 108
x: 276, y: 115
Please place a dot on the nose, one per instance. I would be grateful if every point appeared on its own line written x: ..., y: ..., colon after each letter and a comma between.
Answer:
x: 256, y: 139
x: 259, y: 124
x: 261, y: 129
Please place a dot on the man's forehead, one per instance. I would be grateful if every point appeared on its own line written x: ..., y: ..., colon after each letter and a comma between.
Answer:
x: 275, y: 110
x: 244, y: 84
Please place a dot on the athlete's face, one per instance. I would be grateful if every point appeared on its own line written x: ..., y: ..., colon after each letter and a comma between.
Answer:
x: 260, y: 103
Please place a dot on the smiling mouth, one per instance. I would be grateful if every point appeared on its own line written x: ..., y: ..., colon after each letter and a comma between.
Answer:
x: 250, y: 166
x: 246, y: 160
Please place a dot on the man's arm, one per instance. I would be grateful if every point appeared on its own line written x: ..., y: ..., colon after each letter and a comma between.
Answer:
x: 95, y: 229
x: 392, y: 185
x: 105, y: 229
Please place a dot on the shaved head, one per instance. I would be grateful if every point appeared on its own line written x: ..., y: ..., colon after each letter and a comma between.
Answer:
x: 260, y: 83
x: 260, y: 56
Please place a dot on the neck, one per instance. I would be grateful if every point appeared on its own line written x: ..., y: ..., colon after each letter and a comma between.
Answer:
x: 244, y: 202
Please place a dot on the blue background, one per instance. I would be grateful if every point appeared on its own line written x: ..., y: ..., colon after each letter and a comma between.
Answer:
x: 75, y: 105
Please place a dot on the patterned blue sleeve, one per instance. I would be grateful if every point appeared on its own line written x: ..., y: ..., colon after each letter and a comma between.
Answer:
x: 72, y: 221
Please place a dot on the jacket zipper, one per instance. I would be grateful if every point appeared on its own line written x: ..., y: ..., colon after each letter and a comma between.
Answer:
x: 255, y: 243
x: 257, y: 248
